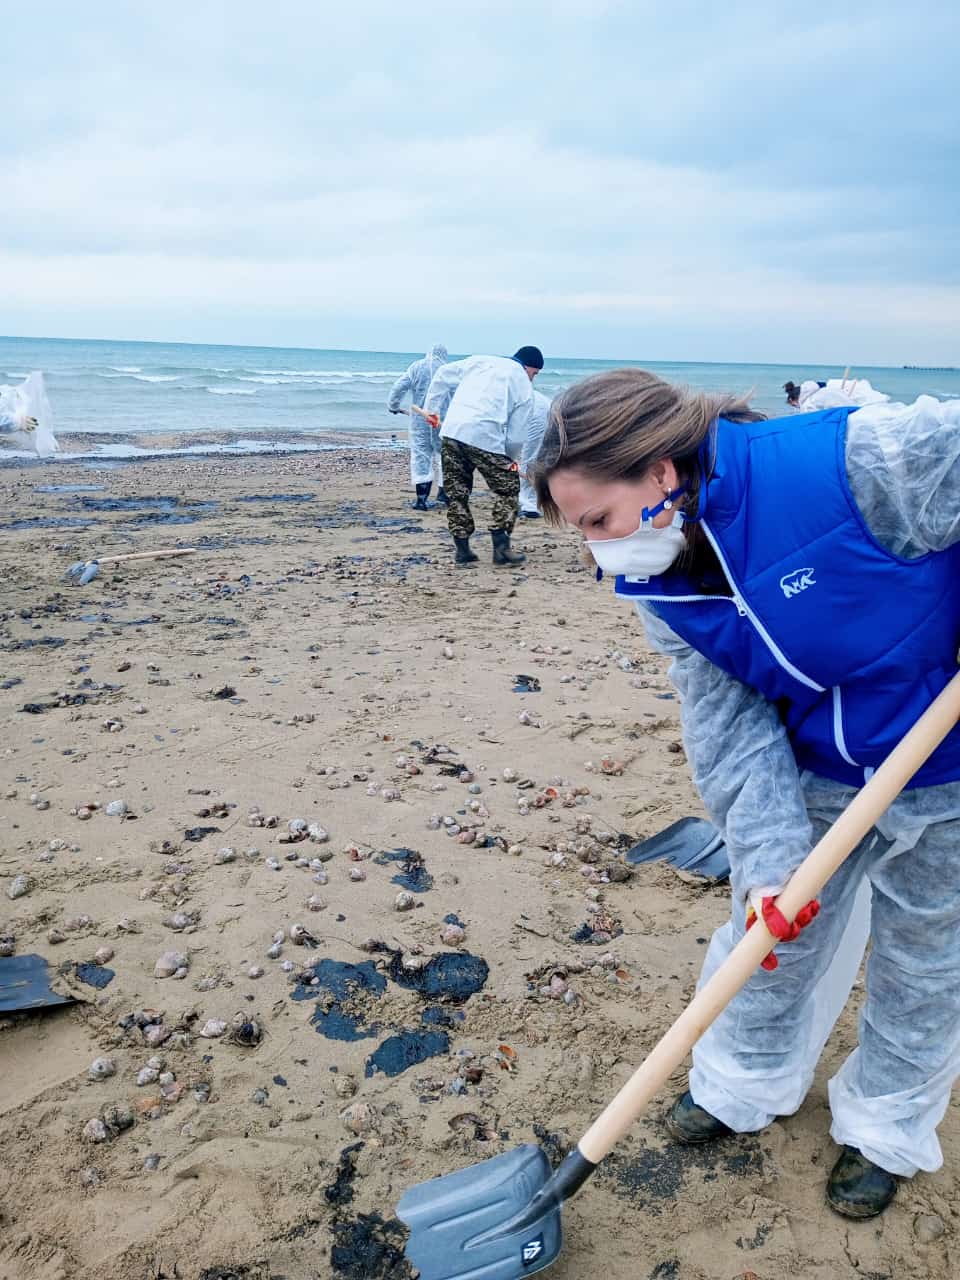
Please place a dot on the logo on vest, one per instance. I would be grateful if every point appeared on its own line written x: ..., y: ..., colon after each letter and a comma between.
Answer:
x: 797, y: 580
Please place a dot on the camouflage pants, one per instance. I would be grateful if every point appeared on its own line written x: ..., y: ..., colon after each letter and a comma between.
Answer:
x: 502, y: 478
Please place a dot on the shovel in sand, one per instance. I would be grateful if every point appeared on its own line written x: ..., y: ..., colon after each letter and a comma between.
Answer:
x: 85, y: 571
x: 500, y: 1220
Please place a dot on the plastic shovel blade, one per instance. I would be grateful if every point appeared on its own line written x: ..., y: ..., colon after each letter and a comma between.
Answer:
x: 692, y: 844
x: 25, y: 984
x: 449, y: 1217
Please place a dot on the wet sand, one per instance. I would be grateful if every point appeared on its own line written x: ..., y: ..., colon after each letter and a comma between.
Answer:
x: 319, y: 659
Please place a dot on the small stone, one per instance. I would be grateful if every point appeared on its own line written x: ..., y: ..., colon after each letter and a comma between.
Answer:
x: 451, y: 935
x: 928, y: 1227
x: 344, y: 1086
x: 102, y: 1069
x: 116, y: 809
x: 90, y: 1177
x: 156, y: 1035
x: 255, y: 971
x: 147, y: 1075
x: 8, y: 944
x: 259, y: 1096
x: 170, y: 963
x: 151, y: 1163
x: 318, y: 834
x: 297, y: 826
x: 510, y: 775
x: 56, y: 936
x: 360, y: 1118
x: 19, y: 887
x: 225, y: 855
x: 117, y: 1116
x: 357, y: 873
x: 213, y: 1028
x: 404, y: 901
x: 95, y: 1131
x: 103, y: 955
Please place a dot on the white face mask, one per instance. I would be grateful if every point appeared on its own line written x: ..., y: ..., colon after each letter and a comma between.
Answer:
x: 647, y: 552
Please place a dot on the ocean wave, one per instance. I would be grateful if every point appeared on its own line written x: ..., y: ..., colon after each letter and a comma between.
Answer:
x: 331, y: 380
x: 231, y: 391
x: 126, y: 368
x: 144, y: 377
x: 329, y: 373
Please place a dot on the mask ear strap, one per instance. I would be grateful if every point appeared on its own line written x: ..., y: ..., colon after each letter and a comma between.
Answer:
x: 666, y: 505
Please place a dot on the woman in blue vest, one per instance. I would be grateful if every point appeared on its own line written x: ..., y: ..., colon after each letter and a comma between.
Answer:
x: 802, y: 574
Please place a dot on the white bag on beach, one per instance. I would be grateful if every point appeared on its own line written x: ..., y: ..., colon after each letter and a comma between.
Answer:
x: 25, y: 417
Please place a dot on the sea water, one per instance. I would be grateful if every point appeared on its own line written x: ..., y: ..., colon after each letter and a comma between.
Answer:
x: 127, y: 398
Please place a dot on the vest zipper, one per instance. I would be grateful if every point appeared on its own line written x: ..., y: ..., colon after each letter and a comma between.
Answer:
x: 746, y: 612
x: 734, y: 600
x: 838, y: 734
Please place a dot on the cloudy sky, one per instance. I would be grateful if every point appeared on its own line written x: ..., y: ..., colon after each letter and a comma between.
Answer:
x: 672, y: 180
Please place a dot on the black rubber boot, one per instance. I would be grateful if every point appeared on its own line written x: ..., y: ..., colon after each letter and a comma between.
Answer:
x: 858, y: 1188
x: 501, y: 549
x: 464, y: 554
x: 442, y: 496
x: 423, y: 493
x: 691, y: 1125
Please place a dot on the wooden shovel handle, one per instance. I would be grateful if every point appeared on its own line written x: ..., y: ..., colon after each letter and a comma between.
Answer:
x: 813, y: 873
x: 146, y: 555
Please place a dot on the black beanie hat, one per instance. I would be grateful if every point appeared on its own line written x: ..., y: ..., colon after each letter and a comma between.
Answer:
x: 529, y: 357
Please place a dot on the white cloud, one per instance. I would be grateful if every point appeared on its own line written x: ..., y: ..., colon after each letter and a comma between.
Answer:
x: 600, y: 169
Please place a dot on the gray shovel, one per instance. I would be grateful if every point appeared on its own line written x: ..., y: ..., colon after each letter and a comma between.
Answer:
x: 85, y: 571
x: 500, y: 1220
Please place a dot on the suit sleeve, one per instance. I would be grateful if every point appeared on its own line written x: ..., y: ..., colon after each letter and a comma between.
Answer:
x: 742, y: 764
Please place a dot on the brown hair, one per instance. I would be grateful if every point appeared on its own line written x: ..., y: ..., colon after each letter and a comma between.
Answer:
x: 616, y: 425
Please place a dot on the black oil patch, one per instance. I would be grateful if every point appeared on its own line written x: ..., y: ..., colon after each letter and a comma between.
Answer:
x: 653, y: 1176
x: 369, y: 1248
x: 452, y: 975
x: 406, y: 1049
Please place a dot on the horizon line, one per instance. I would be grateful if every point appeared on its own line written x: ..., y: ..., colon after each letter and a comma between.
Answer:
x: 258, y: 346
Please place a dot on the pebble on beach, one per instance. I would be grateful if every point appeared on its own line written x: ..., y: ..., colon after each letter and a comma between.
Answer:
x: 170, y: 964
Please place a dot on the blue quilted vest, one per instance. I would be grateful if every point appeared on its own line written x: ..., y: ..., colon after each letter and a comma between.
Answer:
x: 850, y: 641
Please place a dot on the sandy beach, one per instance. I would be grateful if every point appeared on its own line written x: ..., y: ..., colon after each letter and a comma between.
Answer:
x: 320, y: 662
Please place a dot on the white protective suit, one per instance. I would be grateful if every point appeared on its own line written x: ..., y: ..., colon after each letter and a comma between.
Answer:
x: 839, y: 394
x: 539, y: 413
x: 25, y: 417
x: 485, y: 401
x: 424, y: 441
x: 757, y: 1060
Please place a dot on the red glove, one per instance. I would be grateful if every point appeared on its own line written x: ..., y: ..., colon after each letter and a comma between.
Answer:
x: 779, y: 926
